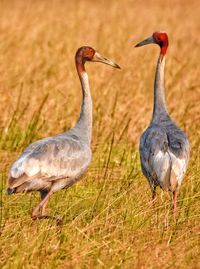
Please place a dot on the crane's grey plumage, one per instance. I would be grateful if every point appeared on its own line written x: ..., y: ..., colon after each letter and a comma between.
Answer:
x: 164, y: 148
x: 57, y: 162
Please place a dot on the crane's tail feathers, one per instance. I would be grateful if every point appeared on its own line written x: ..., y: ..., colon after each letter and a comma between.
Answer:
x: 168, y: 180
x: 16, y: 185
x: 21, y: 188
x: 165, y: 182
x: 173, y: 181
x: 10, y: 190
x: 172, y: 176
x: 162, y: 165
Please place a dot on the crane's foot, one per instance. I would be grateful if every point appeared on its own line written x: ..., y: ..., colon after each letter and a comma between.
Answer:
x: 36, y: 213
x: 39, y: 217
x: 58, y: 219
x: 39, y: 211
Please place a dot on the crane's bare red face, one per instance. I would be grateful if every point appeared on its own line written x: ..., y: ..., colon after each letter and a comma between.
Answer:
x: 86, y: 53
x: 159, y: 38
x: 162, y: 40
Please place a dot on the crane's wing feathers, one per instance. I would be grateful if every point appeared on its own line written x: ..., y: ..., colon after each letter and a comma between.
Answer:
x: 178, y: 143
x: 52, y: 158
x: 153, y: 145
x: 164, y: 154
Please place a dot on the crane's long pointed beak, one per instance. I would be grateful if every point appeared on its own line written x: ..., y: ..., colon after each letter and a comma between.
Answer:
x: 99, y: 58
x: 147, y: 41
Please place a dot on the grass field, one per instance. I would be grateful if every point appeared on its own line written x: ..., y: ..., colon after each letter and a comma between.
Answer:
x: 108, y: 221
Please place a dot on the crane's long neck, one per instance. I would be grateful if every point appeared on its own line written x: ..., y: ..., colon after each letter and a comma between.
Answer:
x: 85, y: 120
x: 159, y: 110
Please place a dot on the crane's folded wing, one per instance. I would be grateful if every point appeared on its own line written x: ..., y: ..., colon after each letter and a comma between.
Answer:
x: 178, y: 143
x: 153, y: 147
x: 164, y: 156
x: 52, y: 158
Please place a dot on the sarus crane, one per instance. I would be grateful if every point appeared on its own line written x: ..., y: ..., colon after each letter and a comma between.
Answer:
x: 164, y: 148
x: 57, y: 162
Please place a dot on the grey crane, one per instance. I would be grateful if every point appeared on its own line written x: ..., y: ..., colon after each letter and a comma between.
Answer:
x: 164, y: 148
x: 57, y: 162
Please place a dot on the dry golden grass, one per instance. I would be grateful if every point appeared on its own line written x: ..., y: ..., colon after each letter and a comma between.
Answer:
x: 108, y: 220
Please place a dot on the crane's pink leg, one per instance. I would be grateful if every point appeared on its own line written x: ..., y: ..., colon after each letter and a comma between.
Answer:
x: 175, y: 194
x: 154, y: 196
x: 43, y: 209
x: 41, y: 206
x: 43, y: 194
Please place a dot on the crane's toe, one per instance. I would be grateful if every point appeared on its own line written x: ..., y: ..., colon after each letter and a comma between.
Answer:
x: 35, y: 214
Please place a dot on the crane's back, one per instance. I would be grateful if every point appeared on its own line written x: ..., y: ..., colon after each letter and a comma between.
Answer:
x: 164, y: 153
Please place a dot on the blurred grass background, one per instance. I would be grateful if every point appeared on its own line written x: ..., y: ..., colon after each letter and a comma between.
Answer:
x: 108, y: 221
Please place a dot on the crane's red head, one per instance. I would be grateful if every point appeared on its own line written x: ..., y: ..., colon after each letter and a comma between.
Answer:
x: 86, y: 53
x: 159, y: 38
x: 162, y: 40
